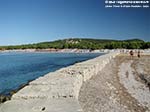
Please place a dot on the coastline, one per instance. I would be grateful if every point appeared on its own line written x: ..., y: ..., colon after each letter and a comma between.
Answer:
x: 77, y: 50
x: 61, y: 85
x: 4, y: 98
x: 7, y: 96
x: 66, y: 85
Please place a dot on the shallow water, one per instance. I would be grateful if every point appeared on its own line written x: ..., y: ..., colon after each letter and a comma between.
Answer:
x: 17, y: 68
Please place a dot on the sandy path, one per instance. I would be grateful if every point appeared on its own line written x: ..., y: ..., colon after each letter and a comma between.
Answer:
x: 111, y: 90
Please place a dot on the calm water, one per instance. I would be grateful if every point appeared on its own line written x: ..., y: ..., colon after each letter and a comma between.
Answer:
x: 17, y: 68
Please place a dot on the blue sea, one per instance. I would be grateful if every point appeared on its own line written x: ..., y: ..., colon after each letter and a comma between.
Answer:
x: 17, y: 68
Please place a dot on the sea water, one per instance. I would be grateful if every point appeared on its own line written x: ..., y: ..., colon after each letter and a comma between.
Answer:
x: 17, y: 68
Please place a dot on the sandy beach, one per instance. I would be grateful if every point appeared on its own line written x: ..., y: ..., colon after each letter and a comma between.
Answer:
x: 122, y: 86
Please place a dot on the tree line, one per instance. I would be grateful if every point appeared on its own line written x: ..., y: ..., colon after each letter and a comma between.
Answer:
x: 84, y: 44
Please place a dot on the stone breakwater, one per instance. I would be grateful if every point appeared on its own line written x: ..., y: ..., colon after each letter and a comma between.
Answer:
x: 56, y: 91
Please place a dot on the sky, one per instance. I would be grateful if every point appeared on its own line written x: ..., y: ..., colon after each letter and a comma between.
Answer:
x: 32, y: 21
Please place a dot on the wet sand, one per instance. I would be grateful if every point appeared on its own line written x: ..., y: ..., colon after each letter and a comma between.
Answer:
x: 119, y: 87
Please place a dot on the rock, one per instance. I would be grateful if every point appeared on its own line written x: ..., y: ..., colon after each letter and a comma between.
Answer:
x: 4, y: 98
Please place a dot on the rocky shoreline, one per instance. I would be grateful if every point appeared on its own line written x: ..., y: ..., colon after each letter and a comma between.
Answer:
x: 4, y: 98
x: 60, y: 86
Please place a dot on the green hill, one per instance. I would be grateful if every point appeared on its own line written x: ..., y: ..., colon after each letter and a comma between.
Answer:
x: 85, y: 43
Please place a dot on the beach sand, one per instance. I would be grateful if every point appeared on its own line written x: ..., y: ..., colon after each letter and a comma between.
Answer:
x: 122, y: 86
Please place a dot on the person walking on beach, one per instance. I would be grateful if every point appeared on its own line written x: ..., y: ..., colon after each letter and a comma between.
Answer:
x: 131, y: 53
x: 138, y: 54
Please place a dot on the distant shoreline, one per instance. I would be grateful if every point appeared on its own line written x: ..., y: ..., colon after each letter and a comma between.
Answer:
x: 77, y: 50
x: 56, y: 50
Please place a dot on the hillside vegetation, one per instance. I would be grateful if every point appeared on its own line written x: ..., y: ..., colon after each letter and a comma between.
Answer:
x: 84, y: 44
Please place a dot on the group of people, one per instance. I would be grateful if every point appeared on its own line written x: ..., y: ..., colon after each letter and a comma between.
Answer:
x: 132, y: 54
